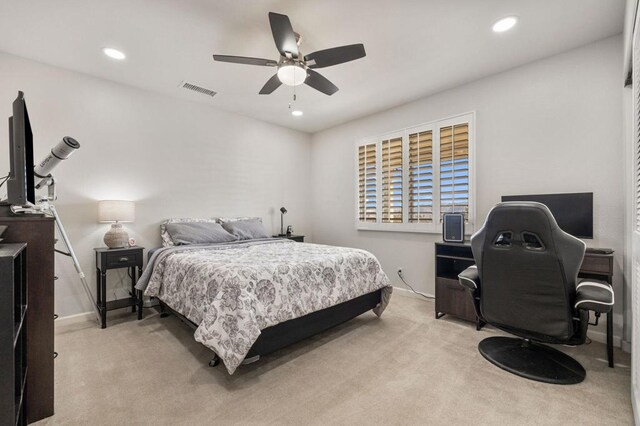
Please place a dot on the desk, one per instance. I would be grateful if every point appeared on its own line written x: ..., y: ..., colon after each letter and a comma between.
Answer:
x: 453, y: 299
x: 600, y: 267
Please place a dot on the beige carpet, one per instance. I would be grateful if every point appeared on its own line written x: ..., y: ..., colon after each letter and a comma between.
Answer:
x: 405, y: 368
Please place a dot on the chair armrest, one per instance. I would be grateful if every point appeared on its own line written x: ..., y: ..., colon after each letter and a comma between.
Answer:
x: 470, y: 278
x: 594, y: 295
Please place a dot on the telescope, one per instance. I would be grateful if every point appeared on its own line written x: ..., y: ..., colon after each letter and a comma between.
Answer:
x: 58, y: 154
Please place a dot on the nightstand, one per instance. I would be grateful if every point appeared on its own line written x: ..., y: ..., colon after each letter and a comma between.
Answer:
x: 106, y: 258
x: 296, y: 238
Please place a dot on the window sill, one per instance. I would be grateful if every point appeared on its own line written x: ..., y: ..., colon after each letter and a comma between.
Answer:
x: 411, y: 228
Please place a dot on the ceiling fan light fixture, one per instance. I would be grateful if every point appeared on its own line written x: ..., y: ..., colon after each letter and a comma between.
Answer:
x: 292, y: 75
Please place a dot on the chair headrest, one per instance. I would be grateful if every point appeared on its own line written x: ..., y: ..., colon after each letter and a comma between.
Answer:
x: 518, y: 216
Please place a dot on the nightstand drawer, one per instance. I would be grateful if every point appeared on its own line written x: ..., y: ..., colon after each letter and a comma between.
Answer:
x: 122, y: 260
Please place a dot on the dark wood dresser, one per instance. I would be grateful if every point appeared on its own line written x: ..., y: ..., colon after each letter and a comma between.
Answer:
x: 38, y: 232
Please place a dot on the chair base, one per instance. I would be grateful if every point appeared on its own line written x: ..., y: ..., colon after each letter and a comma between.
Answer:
x: 532, y: 360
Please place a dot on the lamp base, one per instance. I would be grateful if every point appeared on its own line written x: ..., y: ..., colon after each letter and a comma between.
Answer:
x: 116, y: 236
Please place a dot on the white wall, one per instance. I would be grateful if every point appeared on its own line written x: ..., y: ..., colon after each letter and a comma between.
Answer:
x: 554, y: 125
x: 174, y: 158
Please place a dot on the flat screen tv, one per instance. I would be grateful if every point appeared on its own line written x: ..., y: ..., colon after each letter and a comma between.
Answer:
x: 573, y: 212
x: 20, y: 184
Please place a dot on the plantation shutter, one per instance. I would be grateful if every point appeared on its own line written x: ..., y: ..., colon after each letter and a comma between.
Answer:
x: 367, y: 191
x: 392, y: 180
x: 635, y: 227
x: 421, y: 177
x: 454, y: 170
x: 636, y: 148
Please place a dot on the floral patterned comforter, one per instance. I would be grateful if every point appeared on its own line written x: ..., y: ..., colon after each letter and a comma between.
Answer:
x: 235, y: 290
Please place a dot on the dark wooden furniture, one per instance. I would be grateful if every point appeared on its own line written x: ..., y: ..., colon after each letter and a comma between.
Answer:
x: 600, y: 267
x: 296, y: 238
x: 452, y: 299
x: 289, y: 332
x: 13, y: 333
x: 37, y: 231
x: 128, y: 257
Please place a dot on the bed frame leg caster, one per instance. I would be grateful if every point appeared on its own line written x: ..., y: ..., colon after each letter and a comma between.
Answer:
x: 163, y: 311
x: 214, y: 361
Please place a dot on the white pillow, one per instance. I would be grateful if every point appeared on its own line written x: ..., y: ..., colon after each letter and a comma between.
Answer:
x: 166, y: 238
x: 235, y: 219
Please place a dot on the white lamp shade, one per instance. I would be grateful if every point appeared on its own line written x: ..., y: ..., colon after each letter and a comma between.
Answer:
x: 116, y: 211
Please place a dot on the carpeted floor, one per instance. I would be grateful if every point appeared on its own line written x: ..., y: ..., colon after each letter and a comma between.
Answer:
x: 405, y: 368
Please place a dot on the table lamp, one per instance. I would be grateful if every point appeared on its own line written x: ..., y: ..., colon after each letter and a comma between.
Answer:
x: 116, y: 212
x: 283, y: 211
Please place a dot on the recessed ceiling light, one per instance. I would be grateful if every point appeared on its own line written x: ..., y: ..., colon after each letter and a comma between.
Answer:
x: 296, y: 113
x: 114, y: 53
x: 505, y: 24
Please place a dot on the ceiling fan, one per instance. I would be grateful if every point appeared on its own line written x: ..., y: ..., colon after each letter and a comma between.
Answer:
x: 293, y: 68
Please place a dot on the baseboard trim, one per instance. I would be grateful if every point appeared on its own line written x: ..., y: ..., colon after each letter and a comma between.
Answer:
x: 634, y: 403
x: 75, y: 319
x: 598, y: 336
x: 404, y: 292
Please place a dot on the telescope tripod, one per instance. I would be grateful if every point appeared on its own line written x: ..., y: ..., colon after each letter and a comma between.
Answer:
x: 49, y: 208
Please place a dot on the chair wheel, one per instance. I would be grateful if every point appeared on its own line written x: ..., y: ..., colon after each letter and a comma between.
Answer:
x: 164, y: 314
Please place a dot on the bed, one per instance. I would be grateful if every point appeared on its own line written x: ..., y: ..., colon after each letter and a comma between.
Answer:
x: 248, y: 298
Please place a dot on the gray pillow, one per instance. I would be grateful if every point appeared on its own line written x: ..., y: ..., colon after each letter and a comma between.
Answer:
x: 246, y: 229
x: 182, y: 233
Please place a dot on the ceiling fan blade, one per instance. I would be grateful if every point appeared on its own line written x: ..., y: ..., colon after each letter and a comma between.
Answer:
x: 271, y: 85
x: 335, y: 56
x: 283, y: 34
x: 245, y: 60
x: 320, y: 83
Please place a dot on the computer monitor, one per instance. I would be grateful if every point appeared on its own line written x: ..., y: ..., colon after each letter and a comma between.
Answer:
x: 573, y: 212
x: 20, y: 184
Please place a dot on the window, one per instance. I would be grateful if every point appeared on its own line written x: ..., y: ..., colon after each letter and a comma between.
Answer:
x: 367, y: 187
x: 407, y: 180
x: 421, y: 177
x: 454, y: 170
x: 392, y: 180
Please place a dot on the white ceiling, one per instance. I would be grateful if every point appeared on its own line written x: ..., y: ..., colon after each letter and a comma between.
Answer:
x: 414, y: 47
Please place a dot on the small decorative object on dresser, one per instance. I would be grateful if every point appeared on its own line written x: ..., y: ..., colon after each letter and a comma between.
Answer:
x: 116, y: 211
x: 283, y: 211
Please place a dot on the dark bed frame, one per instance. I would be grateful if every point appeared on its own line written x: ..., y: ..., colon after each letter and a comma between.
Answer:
x: 289, y: 332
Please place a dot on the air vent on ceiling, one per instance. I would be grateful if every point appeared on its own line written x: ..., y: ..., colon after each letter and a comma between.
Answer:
x: 196, y: 88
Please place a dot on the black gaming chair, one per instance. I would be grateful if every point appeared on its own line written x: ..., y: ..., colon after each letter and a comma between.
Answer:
x: 525, y: 283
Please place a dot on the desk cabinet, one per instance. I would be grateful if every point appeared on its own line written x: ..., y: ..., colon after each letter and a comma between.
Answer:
x: 451, y: 297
